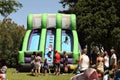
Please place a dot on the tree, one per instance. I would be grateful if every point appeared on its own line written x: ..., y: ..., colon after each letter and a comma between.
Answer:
x: 11, y: 39
x: 70, y: 3
x: 97, y: 21
x: 9, y: 6
x: 11, y: 34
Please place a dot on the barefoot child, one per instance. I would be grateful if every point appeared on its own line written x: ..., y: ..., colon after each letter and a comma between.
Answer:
x: 46, y: 67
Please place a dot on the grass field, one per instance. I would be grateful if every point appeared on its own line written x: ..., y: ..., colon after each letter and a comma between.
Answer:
x: 11, y: 75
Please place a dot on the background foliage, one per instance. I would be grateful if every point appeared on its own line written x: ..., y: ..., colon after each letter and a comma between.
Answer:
x: 98, y: 22
x: 10, y: 40
x: 9, y: 6
x: 11, y: 34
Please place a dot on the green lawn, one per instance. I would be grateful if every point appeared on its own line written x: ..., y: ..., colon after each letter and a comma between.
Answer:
x: 11, y: 75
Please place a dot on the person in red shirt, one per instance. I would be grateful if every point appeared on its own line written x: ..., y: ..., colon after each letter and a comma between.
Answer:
x: 57, y: 63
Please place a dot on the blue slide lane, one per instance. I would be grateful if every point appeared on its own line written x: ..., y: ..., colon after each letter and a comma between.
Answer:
x: 34, y: 41
x: 66, y: 46
x: 50, y: 38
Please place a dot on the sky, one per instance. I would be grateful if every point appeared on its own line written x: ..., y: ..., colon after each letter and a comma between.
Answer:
x: 34, y: 7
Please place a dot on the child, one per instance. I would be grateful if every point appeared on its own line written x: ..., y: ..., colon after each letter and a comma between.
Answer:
x: 38, y: 64
x: 3, y: 71
x: 66, y: 40
x: 50, y: 51
x: 65, y: 61
x: 33, y: 62
x: 46, y: 67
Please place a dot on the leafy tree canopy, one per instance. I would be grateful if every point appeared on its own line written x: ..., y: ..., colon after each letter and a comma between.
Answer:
x: 9, y: 6
x: 11, y: 38
x: 98, y: 21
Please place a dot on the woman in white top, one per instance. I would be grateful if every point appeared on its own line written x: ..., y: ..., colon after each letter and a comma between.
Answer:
x: 84, y: 61
x: 106, y: 60
x: 106, y: 66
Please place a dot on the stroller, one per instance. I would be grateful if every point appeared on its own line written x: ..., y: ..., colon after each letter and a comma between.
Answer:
x: 89, y: 74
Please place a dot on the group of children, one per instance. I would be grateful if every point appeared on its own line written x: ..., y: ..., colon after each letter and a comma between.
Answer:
x: 38, y: 65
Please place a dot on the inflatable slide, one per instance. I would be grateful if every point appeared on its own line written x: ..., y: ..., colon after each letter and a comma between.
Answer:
x: 47, y: 33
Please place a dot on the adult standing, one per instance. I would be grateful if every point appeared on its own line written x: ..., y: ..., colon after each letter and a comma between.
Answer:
x: 100, y: 63
x: 106, y: 66
x: 57, y: 63
x: 84, y: 61
x: 106, y: 60
x: 93, y: 57
x: 113, y: 59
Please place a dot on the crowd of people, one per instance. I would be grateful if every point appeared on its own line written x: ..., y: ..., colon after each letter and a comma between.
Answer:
x: 102, y: 63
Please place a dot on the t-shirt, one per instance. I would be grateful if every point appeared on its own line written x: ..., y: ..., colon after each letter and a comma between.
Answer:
x: 38, y: 60
x: 106, y: 61
x: 113, y: 57
x: 65, y: 58
x: 84, y: 62
x: 57, y: 57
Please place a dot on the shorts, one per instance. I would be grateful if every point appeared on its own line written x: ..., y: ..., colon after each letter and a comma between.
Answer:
x: 38, y: 66
x: 57, y: 65
x: 45, y: 67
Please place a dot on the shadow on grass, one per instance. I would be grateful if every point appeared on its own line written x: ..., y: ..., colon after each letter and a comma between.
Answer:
x: 30, y: 74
